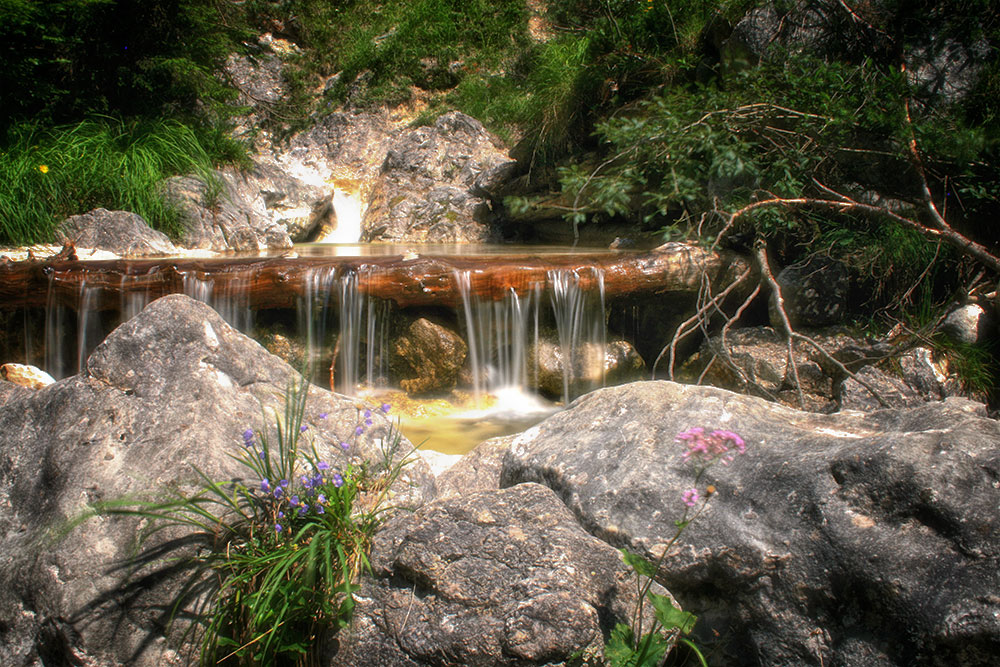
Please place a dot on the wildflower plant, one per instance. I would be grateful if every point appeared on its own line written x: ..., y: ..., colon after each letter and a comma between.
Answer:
x: 281, y: 551
x: 628, y: 645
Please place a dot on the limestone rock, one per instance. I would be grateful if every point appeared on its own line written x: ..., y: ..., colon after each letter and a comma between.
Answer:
x: 229, y: 215
x: 429, y: 357
x: 502, y: 577
x: 121, y: 232
x: 172, y: 388
x: 757, y: 363
x: 852, y: 539
x: 432, y: 183
x: 593, y: 365
x: 969, y: 324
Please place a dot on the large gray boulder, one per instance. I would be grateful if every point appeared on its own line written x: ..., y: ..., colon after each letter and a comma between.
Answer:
x: 502, y: 577
x: 124, y: 233
x: 435, y: 184
x: 852, y: 539
x: 172, y: 388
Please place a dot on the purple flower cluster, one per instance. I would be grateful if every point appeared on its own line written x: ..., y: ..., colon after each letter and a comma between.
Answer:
x: 308, y: 495
x: 708, y: 447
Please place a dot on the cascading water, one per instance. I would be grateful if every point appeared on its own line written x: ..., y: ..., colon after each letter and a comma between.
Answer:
x: 233, y: 303
x: 581, y: 326
x: 362, y: 322
x: 498, y: 335
x: 503, y: 336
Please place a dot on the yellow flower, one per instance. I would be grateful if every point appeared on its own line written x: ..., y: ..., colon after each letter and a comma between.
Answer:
x: 44, y: 168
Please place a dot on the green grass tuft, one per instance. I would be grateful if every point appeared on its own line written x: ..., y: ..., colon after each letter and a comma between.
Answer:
x: 48, y: 174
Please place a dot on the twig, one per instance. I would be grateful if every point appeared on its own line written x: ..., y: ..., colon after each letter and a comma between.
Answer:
x: 697, y: 317
x: 760, y: 251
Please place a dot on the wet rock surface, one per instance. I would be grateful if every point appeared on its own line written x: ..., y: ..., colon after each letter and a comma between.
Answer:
x: 590, y: 365
x: 502, y: 577
x: 849, y: 539
x: 428, y: 356
x: 174, y: 387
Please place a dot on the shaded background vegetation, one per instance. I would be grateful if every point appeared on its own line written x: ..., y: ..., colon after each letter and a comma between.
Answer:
x: 643, y: 113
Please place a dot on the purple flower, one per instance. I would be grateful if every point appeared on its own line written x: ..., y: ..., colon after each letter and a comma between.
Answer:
x: 303, y: 509
x: 345, y: 446
x: 278, y: 492
x: 368, y: 422
x: 278, y: 528
x: 690, y: 497
x: 358, y: 430
x: 248, y: 436
x: 324, y: 415
x: 320, y: 510
x: 386, y: 407
x: 321, y: 499
x: 368, y: 414
x: 281, y: 515
x: 293, y: 501
x: 338, y: 481
x: 265, y: 486
x: 303, y: 428
x: 322, y: 465
x: 283, y: 483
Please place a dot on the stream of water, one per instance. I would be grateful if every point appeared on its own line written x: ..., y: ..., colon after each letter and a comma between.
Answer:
x: 339, y: 325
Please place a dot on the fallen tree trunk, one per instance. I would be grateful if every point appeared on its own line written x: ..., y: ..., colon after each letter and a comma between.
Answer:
x: 279, y: 282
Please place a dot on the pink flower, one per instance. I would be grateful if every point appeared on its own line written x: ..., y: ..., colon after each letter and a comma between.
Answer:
x: 718, y: 445
x: 690, y: 497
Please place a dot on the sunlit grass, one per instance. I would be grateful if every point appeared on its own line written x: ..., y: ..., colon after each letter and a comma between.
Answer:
x: 48, y: 174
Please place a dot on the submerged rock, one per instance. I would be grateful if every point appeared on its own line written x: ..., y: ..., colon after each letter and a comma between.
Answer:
x: 172, y: 388
x: 851, y: 539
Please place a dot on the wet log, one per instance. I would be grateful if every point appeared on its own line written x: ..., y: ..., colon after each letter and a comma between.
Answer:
x: 280, y: 282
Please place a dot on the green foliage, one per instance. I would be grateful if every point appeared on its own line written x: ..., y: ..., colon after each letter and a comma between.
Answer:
x: 278, y: 560
x: 47, y: 174
x: 67, y: 59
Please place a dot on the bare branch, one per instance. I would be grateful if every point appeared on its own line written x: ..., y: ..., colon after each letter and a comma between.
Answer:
x: 760, y: 251
x: 680, y: 333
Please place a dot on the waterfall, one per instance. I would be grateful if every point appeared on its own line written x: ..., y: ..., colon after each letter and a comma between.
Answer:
x: 89, y: 331
x: 362, y: 321
x: 581, y: 328
x: 348, y: 207
x: 232, y: 302
x: 498, y: 336
x: 503, y: 335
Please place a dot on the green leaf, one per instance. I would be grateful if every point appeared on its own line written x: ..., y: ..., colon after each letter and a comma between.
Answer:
x: 641, y: 566
x: 670, y: 616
